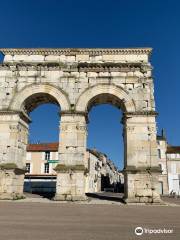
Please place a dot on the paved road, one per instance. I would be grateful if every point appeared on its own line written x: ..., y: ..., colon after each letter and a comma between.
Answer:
x: 66, y: 221
x: 171, y: 200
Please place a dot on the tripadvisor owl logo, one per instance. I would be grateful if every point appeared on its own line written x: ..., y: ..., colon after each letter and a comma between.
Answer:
x: 138, y: 231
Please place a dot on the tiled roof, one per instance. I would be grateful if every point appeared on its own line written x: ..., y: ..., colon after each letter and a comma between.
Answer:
x: 173, y: 149
x: 53, y: 147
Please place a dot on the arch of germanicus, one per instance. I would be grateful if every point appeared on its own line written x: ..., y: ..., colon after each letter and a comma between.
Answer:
x: 76, y: 80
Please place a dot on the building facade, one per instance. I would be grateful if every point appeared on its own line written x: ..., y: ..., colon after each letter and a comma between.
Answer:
x: 169, y: 161
x: 42, y: 159
x: 173, y: 166
x: 103, y: 174
x: 162, y: 159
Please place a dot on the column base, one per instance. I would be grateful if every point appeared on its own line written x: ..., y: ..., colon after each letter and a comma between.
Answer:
x: 144, y: 200
x: 141, y: 186
x: 11, y: 183
x: 68, y: 197
x: 11, y: 196
x: 70, y: 185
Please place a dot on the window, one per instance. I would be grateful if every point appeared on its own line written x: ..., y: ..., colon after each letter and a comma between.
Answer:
x: 28, y: 167
x: 46, y: 168
x: 47, y: 155
x: 159, y: 153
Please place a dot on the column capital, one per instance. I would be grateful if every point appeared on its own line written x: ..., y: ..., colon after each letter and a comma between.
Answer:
x: 24, y: 116
x: 141, y: 113
x: 141, y: 169
x: 73, y: 113
x: 127, y: 115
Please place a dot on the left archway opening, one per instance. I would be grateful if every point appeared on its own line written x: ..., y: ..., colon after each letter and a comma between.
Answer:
x: 44, y: 127
x: 43, y: 143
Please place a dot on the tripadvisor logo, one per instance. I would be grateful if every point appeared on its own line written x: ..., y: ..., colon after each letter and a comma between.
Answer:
x: 139, y: 231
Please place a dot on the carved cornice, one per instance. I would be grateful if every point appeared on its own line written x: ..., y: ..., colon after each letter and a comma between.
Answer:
x: 148, y: 169
x: 22, y: 115
x: 110, y: 66
x: 74, y: 51
x: 73, y: 112
x: 141, y: 113
x: 127, y: 115
x: 69, y: 168
x: 8, y: 112
x: 81, y: 67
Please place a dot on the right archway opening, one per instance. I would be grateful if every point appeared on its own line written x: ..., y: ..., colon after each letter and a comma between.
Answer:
x: 105, y: 145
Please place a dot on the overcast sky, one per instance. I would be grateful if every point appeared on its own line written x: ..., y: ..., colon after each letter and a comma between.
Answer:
x: 103, y: 23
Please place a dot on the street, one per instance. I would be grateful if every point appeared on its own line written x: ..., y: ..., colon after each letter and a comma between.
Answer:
x: 55, y: 220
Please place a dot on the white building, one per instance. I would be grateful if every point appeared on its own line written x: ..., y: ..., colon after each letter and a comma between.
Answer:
x: 169, y: 161
x: 173, y: 163
x: 162, y: 159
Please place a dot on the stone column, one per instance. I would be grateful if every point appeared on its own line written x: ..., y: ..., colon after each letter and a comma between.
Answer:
x: 72, y: 150
x: 141, y: 161
x: 13, y: 141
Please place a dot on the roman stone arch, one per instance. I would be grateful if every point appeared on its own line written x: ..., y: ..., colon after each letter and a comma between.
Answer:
x: 76, y: 80
x: 105, y: 93
x: 36, y: 94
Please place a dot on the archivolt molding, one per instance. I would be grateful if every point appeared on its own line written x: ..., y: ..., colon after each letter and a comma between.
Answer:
x: 85, y: 98
x: 28, y: 91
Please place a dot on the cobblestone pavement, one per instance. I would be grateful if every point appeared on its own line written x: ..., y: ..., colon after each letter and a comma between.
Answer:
x: 66, y: 221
